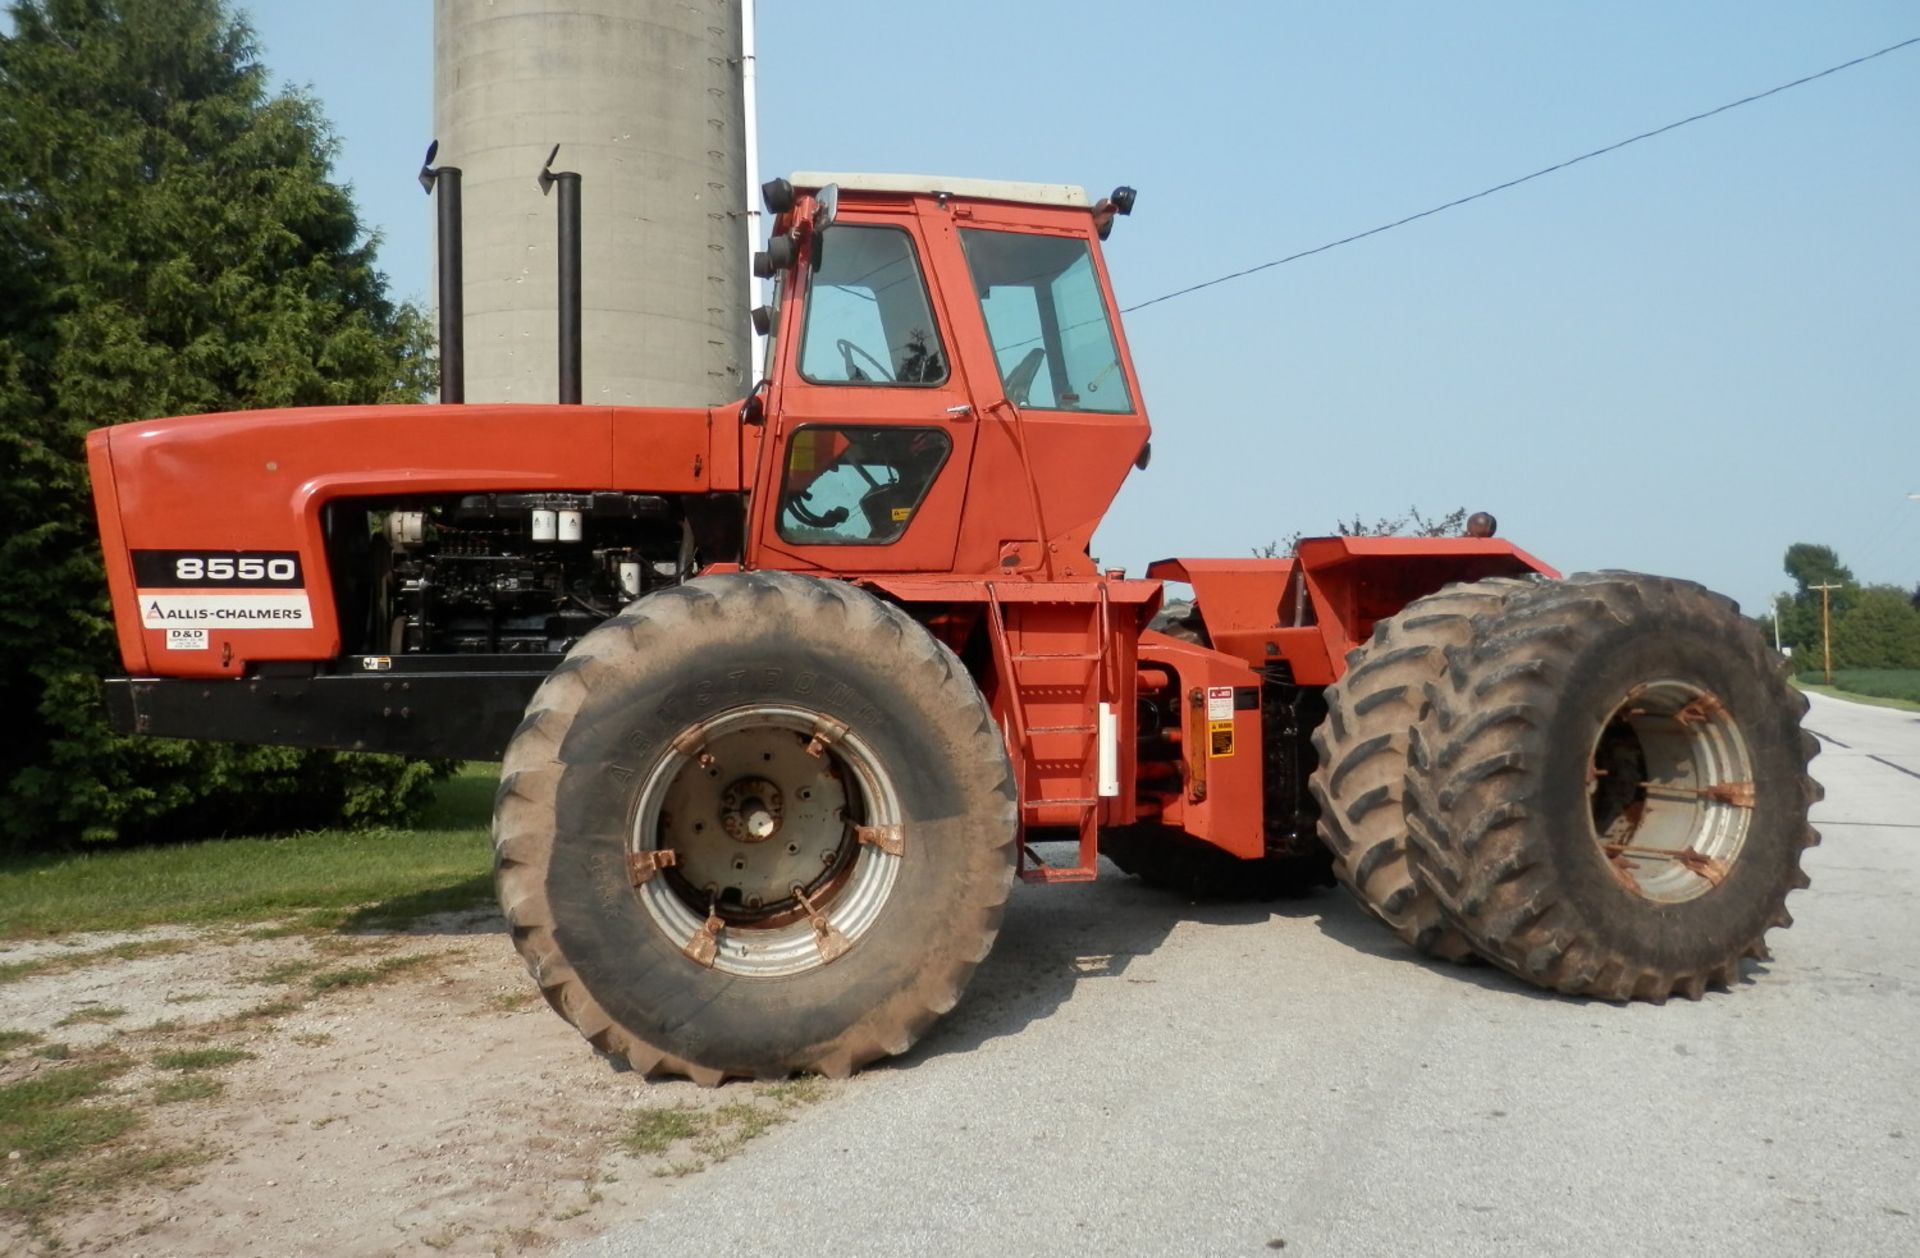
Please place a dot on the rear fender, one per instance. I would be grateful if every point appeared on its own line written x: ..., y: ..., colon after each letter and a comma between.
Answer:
x: 1312, y: 609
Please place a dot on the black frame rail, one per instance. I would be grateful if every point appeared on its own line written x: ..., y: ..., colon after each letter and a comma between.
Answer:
x: 463, y: 709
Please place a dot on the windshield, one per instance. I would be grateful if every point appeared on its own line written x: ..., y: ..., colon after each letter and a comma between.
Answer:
x: 1048, y: 321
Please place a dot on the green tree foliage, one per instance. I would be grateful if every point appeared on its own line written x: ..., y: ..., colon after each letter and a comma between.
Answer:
x: 1413, y: 523
x: 1875, y: 626
x: 1880, y: 630
x: 170, y: 243
x: 1810, y: 564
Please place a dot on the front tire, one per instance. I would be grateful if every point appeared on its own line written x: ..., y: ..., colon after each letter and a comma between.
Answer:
x: 1609, y: 794
x: 838, y: 804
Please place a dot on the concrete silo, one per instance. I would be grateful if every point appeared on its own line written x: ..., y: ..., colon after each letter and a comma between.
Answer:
x: 644, y: 99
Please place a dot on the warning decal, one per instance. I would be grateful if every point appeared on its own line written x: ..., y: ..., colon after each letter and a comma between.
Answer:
x: 173, y: 610
x: 1220, y: 737
x: 1219, y: 703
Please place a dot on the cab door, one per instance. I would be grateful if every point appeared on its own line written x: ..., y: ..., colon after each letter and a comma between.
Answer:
x: 870, y: 421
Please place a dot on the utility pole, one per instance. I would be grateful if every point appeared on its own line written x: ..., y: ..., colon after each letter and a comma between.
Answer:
x: 1826, y: 628
x: 1776, y: 624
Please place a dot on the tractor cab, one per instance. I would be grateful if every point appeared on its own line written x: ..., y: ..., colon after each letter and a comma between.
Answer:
x: 947, y: 387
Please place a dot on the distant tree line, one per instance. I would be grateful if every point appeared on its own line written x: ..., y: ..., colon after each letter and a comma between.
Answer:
x: 1874, y: 626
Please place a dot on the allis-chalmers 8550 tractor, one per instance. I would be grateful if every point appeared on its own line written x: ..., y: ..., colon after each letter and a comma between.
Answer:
x: 790, y: 690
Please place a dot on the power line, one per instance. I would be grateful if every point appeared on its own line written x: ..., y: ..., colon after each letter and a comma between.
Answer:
x: 1514, y: 183
x: 1903, y: 514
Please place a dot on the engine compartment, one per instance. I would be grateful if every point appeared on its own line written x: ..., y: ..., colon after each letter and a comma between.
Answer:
x: 525, y: 573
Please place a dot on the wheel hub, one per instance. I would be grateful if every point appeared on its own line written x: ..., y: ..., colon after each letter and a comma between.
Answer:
x: 763, y: 815
x: 1671, y: 789
x: 750, y: 810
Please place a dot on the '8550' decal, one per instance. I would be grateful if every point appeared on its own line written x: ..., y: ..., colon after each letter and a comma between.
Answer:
x: 217, y: 569
x: 189, y: 592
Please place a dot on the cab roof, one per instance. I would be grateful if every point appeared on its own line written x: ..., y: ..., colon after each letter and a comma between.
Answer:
x: 973, y: 189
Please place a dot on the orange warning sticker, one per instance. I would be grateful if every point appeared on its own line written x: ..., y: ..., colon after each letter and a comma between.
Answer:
x: 902, y: 514
x: 1219, y: 739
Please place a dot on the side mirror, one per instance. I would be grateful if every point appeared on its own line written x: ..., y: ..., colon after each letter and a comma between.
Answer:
x: 754, y: 409
x: 826, y: 206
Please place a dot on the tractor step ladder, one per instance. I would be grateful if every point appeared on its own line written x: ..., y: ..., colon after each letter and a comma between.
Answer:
x: 1059, y: 763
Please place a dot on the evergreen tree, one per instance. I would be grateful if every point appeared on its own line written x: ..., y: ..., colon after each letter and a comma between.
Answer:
x: 170, y: 243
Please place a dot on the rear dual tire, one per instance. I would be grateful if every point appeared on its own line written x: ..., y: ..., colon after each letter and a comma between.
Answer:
x: 1607, y: 791
x: 1359, y: 784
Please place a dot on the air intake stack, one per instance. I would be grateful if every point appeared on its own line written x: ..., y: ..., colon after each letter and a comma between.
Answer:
x: 453, y: 354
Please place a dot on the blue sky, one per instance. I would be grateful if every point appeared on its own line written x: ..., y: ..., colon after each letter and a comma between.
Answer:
x: 1678, y: 358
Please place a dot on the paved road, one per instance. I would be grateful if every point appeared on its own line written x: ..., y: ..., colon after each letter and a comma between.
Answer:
x: 1131, y: 1074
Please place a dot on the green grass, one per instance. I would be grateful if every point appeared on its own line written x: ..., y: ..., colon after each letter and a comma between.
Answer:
x: 186, y: 1088
x: 44, y: 1119
x: 201, y: 1058
x: 366, y: 976
x: 92, y: 1013
x: 60, y: 963
x: 286, y: 972
x: 10, y: 1040
x: 39, y: 1194
x: 717, y: 1134
x: 657, y: 1130
x: 378, y: 879
x: 1880, y: 687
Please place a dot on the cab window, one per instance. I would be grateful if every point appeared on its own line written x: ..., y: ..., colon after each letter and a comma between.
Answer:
x: 868, y: 317
x: 857, y: 486
x: 1048, y: 321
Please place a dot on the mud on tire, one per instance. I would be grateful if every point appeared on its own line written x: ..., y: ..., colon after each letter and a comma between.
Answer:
x: 1362, y: 748
x: 1608, y: 795
x: 770, y: 656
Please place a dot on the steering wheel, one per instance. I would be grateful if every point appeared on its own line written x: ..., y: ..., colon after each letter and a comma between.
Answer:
x: 1020, y: 379
x: 832, y: 518
x: 848, y: 349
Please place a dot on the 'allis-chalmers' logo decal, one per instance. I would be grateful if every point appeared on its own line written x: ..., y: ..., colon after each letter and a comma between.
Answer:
x: 221, y: 589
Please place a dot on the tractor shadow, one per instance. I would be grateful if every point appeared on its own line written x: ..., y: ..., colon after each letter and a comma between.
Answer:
x: 1346, y: 923
x: 1054, y: 938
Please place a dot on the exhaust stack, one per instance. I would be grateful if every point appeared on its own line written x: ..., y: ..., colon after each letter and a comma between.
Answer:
x: 453, y: 349
x: 568, y: 209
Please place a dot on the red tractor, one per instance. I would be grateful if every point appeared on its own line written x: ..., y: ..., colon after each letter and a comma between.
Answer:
x: 790, y: 690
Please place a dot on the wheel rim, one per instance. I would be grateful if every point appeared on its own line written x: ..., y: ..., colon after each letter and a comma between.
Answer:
x: 1670, y: 783
x: 755, y: 803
